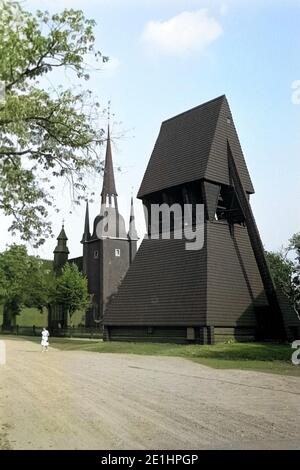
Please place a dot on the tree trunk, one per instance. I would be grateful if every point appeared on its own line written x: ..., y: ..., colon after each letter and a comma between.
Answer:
x: 9, y: 318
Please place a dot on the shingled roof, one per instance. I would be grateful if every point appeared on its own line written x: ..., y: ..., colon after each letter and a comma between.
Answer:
x: 193, y: 146
x: 109, y: 186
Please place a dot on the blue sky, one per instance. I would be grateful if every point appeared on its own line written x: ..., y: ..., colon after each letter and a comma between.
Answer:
x: 169, y: 56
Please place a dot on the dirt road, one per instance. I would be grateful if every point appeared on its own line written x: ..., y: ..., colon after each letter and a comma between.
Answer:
x: 82, y: 400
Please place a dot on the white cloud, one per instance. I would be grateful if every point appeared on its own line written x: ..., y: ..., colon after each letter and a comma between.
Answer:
x: 224, y: 9
x: 187, y: 32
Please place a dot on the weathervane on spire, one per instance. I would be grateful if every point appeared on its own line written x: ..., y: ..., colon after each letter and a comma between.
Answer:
x: 109, y: 114
x: 108, y: 111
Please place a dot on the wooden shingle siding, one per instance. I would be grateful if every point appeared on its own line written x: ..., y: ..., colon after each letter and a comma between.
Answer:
x: 182, y: 148
x: 211, y: 194
x: 234, y: 283
x: 166, y: 284
x: 193, y: 146
x: 159, y: 334
x: 237, y: 334
x: 217, y: 169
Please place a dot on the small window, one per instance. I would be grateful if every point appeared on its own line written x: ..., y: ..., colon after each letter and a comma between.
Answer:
x: 117, y: 252
x: 96, y: 254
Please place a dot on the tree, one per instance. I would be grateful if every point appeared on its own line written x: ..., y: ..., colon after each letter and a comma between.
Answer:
x: 282, y: 271
x: 285, y: 269
x: 25, y: 281
x: 28, y: 281
x: 294, y: 246
x: 43, y: 135
x: 71, y: 290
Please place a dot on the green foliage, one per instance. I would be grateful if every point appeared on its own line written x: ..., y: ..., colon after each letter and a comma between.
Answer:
x: 71, y: 290
x: 29, y: 317
x: 282, y: 271
x: 43, y: 134
x: 294, y: 246
x: 29, y: 282
x: 285, y: 269
x: 25, y: 282
x: 32, y: 316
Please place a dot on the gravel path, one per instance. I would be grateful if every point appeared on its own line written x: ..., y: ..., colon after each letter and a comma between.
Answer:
x: 82, y: 400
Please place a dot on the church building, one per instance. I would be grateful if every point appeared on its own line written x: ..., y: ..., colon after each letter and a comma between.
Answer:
x: 166, y: 292
x: 108, y: 249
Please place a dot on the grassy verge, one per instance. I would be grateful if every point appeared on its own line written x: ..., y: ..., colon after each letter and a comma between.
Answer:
x: 32, y: 316
x: 263, y: 357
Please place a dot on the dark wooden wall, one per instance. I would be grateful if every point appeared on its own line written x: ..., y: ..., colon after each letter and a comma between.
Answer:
x: 166, y: 285
x: 234, y: 283
x: 112, y: 268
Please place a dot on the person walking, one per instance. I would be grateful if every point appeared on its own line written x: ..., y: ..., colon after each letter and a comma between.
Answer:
x: 45, y: 339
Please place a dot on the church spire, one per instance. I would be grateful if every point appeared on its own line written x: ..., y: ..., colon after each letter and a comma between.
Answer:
x: 109, y: 188
x: 132, y: 233
x: 61, y: 252
x: 86, y: 234
x: 62, y: 240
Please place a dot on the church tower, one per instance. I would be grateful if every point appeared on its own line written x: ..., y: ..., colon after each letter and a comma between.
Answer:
x: 57, y: 315
x: 61, y: 252
x: 85, y: 239
x: 108, y: 250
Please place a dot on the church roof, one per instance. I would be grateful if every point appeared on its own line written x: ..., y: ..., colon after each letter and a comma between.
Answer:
x: 132, y: 233
x: 86, y: 234
x: 62, y: 235
x: 109, y: 186
x: 62, y: 242
x: 193, y: 146
x: 109, y: 224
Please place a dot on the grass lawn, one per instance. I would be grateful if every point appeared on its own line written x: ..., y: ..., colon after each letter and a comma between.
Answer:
x: 263, y: 357
x: 32, y: 316
x: 29, y: 317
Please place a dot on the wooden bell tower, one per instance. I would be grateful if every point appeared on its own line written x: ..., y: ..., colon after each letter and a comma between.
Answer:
x: 223, y: 290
